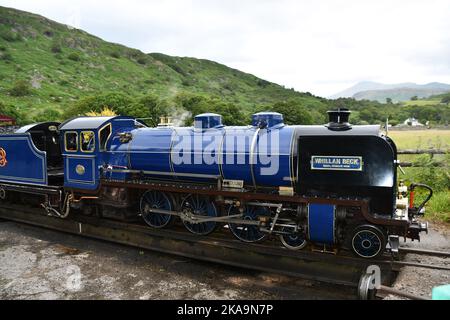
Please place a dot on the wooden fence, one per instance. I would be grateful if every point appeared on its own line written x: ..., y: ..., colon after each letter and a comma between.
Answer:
x: 432, y: 152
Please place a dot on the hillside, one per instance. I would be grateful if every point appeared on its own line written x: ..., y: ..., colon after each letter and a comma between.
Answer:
x: 375, y: 91
x: 48, y: 65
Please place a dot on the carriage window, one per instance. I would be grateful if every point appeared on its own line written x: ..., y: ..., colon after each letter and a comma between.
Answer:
x: 104, y: 135
x: 87, y: 141
x: 71, y: 141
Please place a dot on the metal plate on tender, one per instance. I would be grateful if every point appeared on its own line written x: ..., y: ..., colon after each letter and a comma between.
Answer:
x: 321, y: 223
x: 339, y: 163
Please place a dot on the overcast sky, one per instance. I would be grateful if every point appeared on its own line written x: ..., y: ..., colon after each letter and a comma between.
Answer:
x: 321, y: 46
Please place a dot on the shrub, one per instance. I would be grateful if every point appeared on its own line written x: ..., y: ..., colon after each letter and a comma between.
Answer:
x: 263, y: 83
x: 142, y: 60
x: 431, y: 174
x: 20, y: 88
x: 48, y: 114
x: 74, y: 56
x: 10, y: 36
x: 63, y: 82
x: 6, y: 56
x: 186, y: 83
x: 56, y: 47
x: 48, y: 33
x: 12, y: 111
x: 115, y: 54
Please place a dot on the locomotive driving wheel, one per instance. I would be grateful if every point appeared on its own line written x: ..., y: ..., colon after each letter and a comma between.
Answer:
x: 293, y: 241
x: 245, y: 232
x: 155, y: 200
x: 200, y: 206
x: 368, y: 241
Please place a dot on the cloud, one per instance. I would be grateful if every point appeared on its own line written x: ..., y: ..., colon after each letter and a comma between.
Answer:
x: 317, y: 46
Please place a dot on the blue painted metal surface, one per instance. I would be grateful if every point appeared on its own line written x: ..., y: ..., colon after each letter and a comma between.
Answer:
x: 82, y: 169
x: 196, y: 151
x: 254, y: 155
x: 208, y: 121
x: 20, y: 161
x: 321, y: 219
x: 236, y: 153
x: 274, y: 150
x: 267, y: 119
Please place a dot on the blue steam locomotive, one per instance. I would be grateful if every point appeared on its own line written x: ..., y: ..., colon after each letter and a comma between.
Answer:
x: 328, y: 186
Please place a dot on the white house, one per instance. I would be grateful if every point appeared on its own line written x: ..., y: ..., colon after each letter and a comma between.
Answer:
x: 412, y: 122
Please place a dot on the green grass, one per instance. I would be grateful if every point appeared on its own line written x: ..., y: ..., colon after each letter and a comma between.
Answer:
x: 422, y: 103
x: 421, y: 139
x: 438, y: 209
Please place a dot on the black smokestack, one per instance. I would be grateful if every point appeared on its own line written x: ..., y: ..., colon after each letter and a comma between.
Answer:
x: 339, y: 119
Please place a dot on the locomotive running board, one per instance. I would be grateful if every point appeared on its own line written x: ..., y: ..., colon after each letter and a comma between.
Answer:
x: 268, y: 258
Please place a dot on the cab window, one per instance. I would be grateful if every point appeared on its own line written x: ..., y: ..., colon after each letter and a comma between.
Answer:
x: 104, y: 135
x: 71, y: 141
x: 87, y: 141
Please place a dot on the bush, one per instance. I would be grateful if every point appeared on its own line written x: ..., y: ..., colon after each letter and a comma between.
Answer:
x: 12, y: 111
x: 74, y: 56
x: 115, y: 54
x: 48, y: 33
x: 63, y: 82
x: 142, y: 60
x: 47, y: 115
x: 56, y: 48
x: 6, y: 56
x: 20, y: 88
x: 431, y: 174
x: 10, y: 36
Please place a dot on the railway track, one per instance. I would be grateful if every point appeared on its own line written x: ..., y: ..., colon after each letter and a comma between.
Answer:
x: 270, y: 257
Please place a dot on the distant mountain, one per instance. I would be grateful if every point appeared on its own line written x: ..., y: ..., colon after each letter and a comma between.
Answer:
x: 375, y: 91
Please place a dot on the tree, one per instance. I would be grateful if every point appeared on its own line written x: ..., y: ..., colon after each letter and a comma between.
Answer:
x: 47, y: 115
x: 197, y: 104
x: 293, y: 113
x: 149, y: 107
x: 96, y: 103
x: 446, y: 99
x: 388, y: 100
x: 415, y: 98
x: 12, y: 111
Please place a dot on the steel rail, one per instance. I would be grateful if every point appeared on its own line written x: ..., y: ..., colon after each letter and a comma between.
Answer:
x: 421, y: 265
x: 395, y: 292
x: 335, y: 269
x: 424, y: 252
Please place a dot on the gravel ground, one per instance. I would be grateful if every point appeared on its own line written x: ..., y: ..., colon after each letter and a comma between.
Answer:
x: 420, y: 281
x: 37, y: 263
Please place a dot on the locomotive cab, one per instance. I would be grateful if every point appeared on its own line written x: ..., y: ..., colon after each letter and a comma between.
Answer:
x: 84, y: 142
x: 45, y: 137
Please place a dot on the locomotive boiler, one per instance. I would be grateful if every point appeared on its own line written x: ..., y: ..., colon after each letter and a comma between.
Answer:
x: 327, y: 187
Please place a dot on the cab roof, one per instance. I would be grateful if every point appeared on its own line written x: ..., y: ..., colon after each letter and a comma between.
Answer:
x: 83, y: 123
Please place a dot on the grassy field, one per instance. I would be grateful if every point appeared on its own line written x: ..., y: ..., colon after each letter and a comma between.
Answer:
x: 422, y: 103
x: 421, y: 139
x: 437, y: 177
